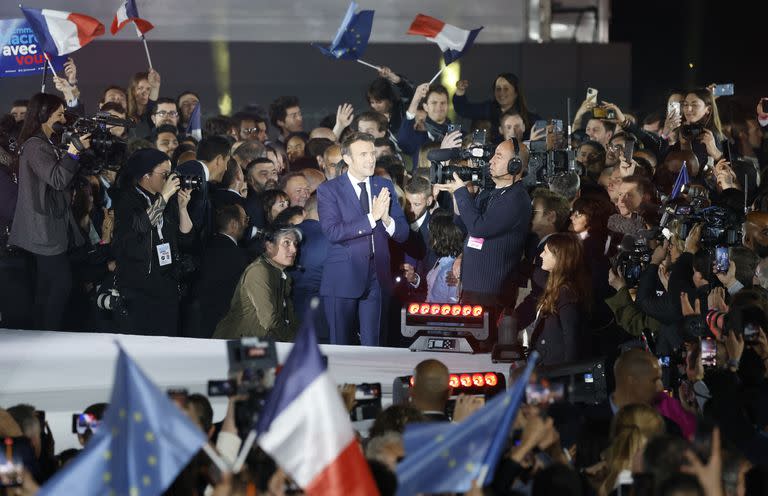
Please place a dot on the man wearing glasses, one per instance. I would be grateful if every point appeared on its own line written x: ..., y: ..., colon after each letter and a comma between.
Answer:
x: 166, y: 113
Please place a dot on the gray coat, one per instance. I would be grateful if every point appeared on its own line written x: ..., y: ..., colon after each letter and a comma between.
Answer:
x: 43, y: 222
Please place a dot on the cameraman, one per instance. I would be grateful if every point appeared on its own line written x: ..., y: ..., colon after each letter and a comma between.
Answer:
x: 43, y: 222
x: 148, y: 231
x: 497, y: 223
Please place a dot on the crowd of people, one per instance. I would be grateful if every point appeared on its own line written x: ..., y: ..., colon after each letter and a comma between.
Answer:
x: 647, y: 247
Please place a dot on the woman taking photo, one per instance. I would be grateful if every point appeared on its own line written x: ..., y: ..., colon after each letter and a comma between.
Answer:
x: 43, y: 223
x: 701, y: 131
x: 507, y: 95
x: 149, y: 227
x: 558, y: 331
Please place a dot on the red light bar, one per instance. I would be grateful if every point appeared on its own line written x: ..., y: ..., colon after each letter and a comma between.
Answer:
x: 476, y: 379
x: 445, y: 309
x: 491, y: 379
x: 465, y: 380
x: 453, y: 381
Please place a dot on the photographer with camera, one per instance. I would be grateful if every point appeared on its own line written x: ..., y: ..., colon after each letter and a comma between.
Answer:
x: 43, y: 223
x: 701, y: 131
x: 497, y: 222
x: 149, y: 228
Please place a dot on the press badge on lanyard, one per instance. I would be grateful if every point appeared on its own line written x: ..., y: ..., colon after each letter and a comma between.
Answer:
x: 163, y: 249
x: 476, y: 243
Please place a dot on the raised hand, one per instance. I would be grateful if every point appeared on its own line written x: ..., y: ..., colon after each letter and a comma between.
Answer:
x: 461, y: 87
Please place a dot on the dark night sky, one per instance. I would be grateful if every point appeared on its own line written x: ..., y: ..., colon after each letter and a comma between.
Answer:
x: 727, y: 42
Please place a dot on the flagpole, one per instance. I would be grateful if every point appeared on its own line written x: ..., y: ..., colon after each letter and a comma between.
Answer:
x: 246, y: 448
x: 215, y: 458
x: 49, y: 64
x: 146, y: 49
x: 368, y: 65
x: 45, y: 74
x: 438, y: 73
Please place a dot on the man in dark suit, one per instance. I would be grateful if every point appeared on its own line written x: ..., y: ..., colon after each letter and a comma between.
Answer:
x: 309, y: 269
x: 358, y: 217
x: 419, y: 258
x: 231, y: 189
x: 261, y: 175
x: 431, y: 390
x: 223, y: 264
x: 211, y: 163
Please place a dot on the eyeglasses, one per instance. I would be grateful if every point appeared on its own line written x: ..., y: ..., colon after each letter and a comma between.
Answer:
x: 250, y: 130
x: 167, y: 113
x: 165, y: 174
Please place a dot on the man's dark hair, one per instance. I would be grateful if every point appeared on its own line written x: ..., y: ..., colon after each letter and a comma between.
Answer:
x: 20, y: 103
x: 386, y: 481
x: 370, y: 115
x: 554, y: 202
x: 24, y: 415
x: 384, y: 142
x: 165, y: 99
x: 202, y: 408
x: 663, y: 457
x: 217, y: 126
x: 213, y: 146
x: 253, y: 163
x: 165, y: 128
x: 230, y: 175
x: 114, y: 107
x: 287, y: 177
x: 185, y: 93
x: 239, y: 117
x: 418, y: 185
x: 250, y: 150
x: 394, y: 168
x: 316, y: 147
x: 354, y: 137
x: 381, y: 89
x: 557, y: 479
x: 643, y: 184
x: 278, y: 109
x: 226, y: 215
x: 114, y: 87
x: 435, y: 88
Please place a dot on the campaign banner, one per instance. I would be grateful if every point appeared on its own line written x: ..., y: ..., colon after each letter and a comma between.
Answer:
x: 20, y: 55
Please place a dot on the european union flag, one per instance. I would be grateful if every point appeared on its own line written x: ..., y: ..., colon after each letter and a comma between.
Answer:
x: 446, y: 458
x: 140, y: 447
x: 351, y: 39
x: 195, y: 126
x: 682, y: 180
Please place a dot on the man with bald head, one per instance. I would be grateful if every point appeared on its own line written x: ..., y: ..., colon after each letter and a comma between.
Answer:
x: 323, y: 132
x: 497, y: 222
x: 314, y: 177
x: 756, y: 233
x: 430, y: 391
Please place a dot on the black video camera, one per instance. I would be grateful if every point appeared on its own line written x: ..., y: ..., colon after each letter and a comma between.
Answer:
x: 191, y: 182
x: 632, y: 260
x: 691, y: 131
x: 106, y: 151
x: 479, y: 155
x: 719, y: 226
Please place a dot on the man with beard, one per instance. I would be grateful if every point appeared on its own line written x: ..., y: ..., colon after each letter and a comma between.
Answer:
x: 261, y: 175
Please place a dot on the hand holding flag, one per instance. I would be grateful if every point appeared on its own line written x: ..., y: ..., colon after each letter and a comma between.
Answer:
x: 351, y: 39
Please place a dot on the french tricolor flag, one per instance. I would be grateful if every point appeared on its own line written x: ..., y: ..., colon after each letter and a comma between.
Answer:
x: 453, y: 41
x: 129, y: 13
x: 306, y: 429
x: 60, y: 33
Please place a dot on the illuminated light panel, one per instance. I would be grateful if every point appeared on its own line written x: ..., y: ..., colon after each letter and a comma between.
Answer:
x: 478, y: 380
x: 465, y: 380
x: 491, y: 379
x: 453, y: 381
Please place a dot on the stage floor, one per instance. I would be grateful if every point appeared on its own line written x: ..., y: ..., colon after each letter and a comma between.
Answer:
x: 64, y: 372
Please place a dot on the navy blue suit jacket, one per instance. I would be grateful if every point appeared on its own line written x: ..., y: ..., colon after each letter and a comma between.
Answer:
x: 199, y: 208
x: 345, y: 274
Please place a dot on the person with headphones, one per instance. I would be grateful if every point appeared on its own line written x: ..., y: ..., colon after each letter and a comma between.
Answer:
x: 43, y: 223
x: 496, y: 222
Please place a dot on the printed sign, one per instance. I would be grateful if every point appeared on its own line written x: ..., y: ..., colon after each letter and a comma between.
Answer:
x: 20, y: 55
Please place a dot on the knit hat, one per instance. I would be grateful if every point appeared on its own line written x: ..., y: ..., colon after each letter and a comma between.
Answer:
x: 143, y: 162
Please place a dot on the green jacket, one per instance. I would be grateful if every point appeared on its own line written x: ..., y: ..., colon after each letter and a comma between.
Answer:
x: 261, y: 305
x: 629, y: 316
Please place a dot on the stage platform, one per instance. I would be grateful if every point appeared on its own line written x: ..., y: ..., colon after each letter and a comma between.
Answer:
x: 63, y: 372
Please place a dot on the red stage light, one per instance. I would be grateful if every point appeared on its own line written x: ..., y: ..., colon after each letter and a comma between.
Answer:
x: 456, y: 310
x: 466, y: 380
x: 477, y: 311
x: 435, y: 309
x: 445, y: 310
x: 466, y: 310
x: 491, y: 379
x: 424, y: 309
x: 453, y: 381
x: 413, y: 308
x: 411, y: 381
x: 478, y: 380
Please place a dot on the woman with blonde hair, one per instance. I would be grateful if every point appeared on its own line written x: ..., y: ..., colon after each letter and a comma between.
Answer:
x: 631, y: 429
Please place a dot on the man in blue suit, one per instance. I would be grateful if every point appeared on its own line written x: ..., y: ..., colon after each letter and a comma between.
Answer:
x: 357, y: 215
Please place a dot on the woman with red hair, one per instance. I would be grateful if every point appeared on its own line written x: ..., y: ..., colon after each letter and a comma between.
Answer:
x: 564, y: 306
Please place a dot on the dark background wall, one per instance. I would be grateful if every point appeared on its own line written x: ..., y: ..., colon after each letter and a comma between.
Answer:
x: 259, y: 72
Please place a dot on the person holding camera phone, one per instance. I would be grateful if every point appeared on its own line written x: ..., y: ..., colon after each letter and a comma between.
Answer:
x: 43, y: 223
x: 701, y: 131
x: 149, y: 227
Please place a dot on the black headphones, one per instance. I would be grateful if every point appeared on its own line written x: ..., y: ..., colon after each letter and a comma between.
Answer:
x: 515, y: 164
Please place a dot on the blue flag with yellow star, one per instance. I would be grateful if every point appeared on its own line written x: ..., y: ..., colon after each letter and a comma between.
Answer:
x: 445, y: 457
x: 351, y: 39
x: 139, y: 448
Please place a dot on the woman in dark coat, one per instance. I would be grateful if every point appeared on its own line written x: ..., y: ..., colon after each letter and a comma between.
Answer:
x: 559, y: 332
x: 151, y: 222
x: 43, y: 223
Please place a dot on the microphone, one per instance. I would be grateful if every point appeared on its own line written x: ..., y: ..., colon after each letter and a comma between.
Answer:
x: 111, y: 120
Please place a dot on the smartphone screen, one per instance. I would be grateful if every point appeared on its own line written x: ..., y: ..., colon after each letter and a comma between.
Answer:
x: 478, y: 136
x: 673, y: 108
x: 544, y: 393
x: 591, y: 94
x: 708, y: 352
x: 722, y: 262
x: 723, y: 89
x: 368, y: 391
x: 750, y: 332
